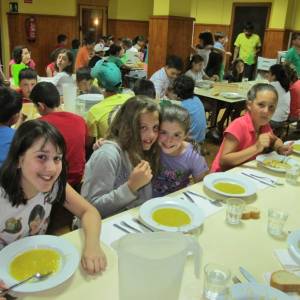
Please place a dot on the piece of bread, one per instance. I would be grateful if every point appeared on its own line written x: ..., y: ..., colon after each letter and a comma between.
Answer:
x: 246, y: 215
x: 250, y: 212
x: 255, y: 213
x: 285, y: 281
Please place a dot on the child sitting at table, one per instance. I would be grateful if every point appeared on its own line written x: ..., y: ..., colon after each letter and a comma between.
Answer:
x: 74, y: 130
x: 236, y: 73
x: 35, y: 174
x: 84, y: 82
x: 184, y: 89
x: 164, y: 77
x: 27, y: 81
x: 118, y: 174
x: 65, y: 64
x: 196, y: 69
x: 251, y: 134
x: 10, y: 107
x: 179, y: 159
x: 144, y: 87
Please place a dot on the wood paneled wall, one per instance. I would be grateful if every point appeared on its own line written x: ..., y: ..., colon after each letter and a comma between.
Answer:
x: 127, y: 28
x: 168, y: 35
x: 48, y: 27
x: 274, y: 41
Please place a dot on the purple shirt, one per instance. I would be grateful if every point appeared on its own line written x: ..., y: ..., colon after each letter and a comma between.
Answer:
x: 174, y: 171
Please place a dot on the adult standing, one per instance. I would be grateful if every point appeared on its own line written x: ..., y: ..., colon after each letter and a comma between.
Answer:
x: 293, y: 54
x: 247, y: 45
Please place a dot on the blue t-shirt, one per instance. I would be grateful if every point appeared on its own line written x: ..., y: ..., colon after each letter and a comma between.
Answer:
x: 198, y: 120
x: 174, y: 171
x: 6, y: 136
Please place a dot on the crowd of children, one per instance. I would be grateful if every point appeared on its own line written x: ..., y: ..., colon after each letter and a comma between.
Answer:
x: 146, y: 149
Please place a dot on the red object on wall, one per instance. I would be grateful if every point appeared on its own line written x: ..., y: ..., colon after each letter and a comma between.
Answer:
x: 30, y: 25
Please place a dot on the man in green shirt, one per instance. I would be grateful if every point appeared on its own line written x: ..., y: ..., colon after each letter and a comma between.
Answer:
x: 247, y: 45
x: 293, y: 55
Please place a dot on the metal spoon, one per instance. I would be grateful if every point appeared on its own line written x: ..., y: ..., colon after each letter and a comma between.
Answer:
x: 37, y: 276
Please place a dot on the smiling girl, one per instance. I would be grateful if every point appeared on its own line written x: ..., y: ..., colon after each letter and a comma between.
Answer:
x: 179, y: 159
x: 118, y: 174
x: 251, y: 134
x: 32, y: 179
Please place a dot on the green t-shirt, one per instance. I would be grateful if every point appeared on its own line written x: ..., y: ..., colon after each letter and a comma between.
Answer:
x: 116, y: 60
x: 101, y: 114
x: 293, y: 56
x: 247, y: 47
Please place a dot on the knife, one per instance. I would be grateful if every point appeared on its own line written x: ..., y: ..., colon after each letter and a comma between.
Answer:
x: 248, y: 276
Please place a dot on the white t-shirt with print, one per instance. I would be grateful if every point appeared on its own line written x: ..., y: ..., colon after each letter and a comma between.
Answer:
x: 32, y: 218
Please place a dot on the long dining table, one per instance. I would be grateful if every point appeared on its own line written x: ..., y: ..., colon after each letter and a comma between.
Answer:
x: 247, y: 244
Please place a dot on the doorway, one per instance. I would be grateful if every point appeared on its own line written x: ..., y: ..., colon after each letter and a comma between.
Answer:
x: 256, y: 13
x: 93, y: 21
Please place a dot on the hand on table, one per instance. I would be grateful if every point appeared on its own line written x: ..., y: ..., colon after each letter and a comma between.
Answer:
x: 2, y: 286
x: 93, y: 260
x: 285, y: 149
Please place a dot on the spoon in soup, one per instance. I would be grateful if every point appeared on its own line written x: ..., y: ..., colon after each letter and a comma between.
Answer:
x: 37, y: 276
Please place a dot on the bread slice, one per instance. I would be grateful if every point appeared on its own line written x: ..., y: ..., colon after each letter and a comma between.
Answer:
x: 246, y: 215
x: 285, y: 281
x: 255, y: 212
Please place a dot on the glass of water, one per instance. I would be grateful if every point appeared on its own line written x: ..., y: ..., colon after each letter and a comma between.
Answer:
x: 292, y: 175
x: 276, y: 221
x: 215, y: 281
x: 235, y: 208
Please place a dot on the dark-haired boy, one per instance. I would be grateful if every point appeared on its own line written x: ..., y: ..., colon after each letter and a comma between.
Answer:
x: 164, y: 77
x: 10, y: 107
x: 84, y: 82
x: 27, y: 81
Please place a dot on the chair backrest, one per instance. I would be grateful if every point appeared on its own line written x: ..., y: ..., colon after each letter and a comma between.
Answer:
x: 264, y: 63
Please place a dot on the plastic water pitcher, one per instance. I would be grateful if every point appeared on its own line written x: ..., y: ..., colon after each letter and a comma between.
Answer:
x: 69, y: 95
x: 151, y: 264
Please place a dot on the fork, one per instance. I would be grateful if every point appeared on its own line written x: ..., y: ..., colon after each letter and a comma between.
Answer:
x: 142, y: 224
x: 130, y: 227
x: 37, y: 276
x: 214, y: 202
x: 267, y: 178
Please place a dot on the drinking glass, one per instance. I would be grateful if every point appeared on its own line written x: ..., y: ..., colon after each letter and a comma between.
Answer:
x: 235, y: 208
x: 276, y: 220
x: 292, y: 175
x: 216, y: 279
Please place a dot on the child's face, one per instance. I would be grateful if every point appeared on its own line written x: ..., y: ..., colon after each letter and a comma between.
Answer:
x: 171, y: 137
x: 172, y: 73
x: 296, y: 42
x: 26, y: 86
x: 25, y: 56
x: 40, y: 167
x: 197, y: 67
x: 262, y: 107
x: 62, y: 61
x: 84, y: 85
x: 149, y: 127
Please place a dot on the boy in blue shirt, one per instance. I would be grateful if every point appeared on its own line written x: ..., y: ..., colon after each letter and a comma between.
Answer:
x: 10, y: 107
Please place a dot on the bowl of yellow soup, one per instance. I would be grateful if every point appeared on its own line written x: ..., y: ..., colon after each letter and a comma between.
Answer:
x: 38, y: 254
x: 171, y: 214
x: 229, y: 184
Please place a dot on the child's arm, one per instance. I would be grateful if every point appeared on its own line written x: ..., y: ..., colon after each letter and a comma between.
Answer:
x: 93, y: 258
x: 281, y: 148
x: 230, y: 157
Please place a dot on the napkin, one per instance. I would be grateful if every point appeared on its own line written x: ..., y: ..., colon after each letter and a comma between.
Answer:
x: 259, y: 181
x: 109, y: 233
x: 207, y: 208
x: 286, y: 260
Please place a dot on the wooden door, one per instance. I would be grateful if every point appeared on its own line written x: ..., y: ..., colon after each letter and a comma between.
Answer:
x: 93, y: 20
x: 257, y: 13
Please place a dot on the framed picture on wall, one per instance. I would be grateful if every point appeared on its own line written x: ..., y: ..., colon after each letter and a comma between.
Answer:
x: 13, y: 7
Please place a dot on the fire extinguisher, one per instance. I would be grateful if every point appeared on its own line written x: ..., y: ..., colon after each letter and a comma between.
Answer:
x: 30, y: 25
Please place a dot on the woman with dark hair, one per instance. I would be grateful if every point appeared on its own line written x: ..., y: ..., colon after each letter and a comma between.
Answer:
x: 65, y: 65
x: 206, y: 43
x: 21, y: 54
x: 35, y: 174
x: 279, y: 78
